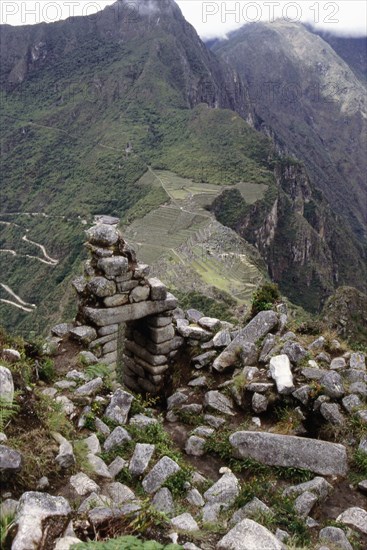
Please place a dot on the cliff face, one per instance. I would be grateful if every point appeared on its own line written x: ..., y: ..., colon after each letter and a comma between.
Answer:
x: 310, y: 98
x: 298, y: 236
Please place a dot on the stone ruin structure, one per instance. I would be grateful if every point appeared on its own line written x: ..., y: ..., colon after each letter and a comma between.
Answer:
x: 125, y: 318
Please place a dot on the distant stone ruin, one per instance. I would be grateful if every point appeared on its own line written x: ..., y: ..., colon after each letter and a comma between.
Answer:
x: 124, y: 316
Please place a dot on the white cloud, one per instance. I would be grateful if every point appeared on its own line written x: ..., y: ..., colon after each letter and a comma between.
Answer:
x: 211, y: 19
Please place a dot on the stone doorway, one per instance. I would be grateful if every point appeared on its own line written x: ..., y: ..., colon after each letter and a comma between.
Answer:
x: 126, y: 316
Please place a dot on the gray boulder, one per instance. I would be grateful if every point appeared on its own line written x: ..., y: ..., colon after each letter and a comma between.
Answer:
x: 113, y: 267
x: 10, y: 355
x: 261, y: 325
x: 103, y: 235
x: 251, y: 509
x: 10, y: 460
x: 354, y: 517
x: 34, y: 509
x: 318, y: 456
x: 249, y: 535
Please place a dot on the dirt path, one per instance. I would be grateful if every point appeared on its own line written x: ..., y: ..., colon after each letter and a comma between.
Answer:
x: 20, y: 304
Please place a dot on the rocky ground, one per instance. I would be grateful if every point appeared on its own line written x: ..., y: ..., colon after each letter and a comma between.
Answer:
x: 261, y: 445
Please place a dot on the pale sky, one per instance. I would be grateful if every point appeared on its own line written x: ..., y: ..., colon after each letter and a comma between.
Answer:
x: 210, y: 18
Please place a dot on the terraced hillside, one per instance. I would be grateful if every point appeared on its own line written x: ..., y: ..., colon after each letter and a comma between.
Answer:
x: 188, y: 249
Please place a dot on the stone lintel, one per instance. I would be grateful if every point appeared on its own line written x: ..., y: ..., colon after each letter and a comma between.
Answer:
x: 128, y: 312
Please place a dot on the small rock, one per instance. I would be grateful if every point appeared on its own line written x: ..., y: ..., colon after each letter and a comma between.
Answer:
x: 10, y: 355
x: 358, y: 361
x: 67, y: 406
x: 251, y: 509
x: 142, y: 421
x: 304, y: 503
x: 331, y: 413
x: 176, y: 399
x: 195, y: 498
x: 90, y: 388
x: 98, y: 466
x: 214, y: 421
x: 118, y: 437
x: 43, y: 483
x: 185, y: 522
x: 338, y: 363
x: 163, y: 501
x: 66, y: 543
x: 332, y: 385
x: 351, y: 403
x: 219, y: 402
x: 319, y: 486
x: 119, y: 407
x: 362, y: 486
x: 103, y: 235
x: 280, y: 371
x: 119, y: 493
x: 164, y: 468
x: 83, y: 485
x: 294, y: 351
x: 140, y: 460
x: 249, y: 535
x: 224, y: 491
x: 259, y: 403
x: 195, y: 446
x: 88, y: 358
x: 83, y: 334
x: 10, y: 460
x: 336, y: 537
x: 102, y: 427
x: 117, y: 466
x: 222, y: 339
x: 65, y: 458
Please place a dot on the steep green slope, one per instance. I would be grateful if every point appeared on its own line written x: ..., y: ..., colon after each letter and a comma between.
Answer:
x: 79, y: 131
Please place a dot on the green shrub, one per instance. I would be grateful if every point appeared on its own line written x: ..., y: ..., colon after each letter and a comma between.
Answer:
x: 264, y: 298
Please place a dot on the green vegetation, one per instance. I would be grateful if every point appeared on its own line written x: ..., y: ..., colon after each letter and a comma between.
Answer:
x: 220, y: 308
x: 8, y: 409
